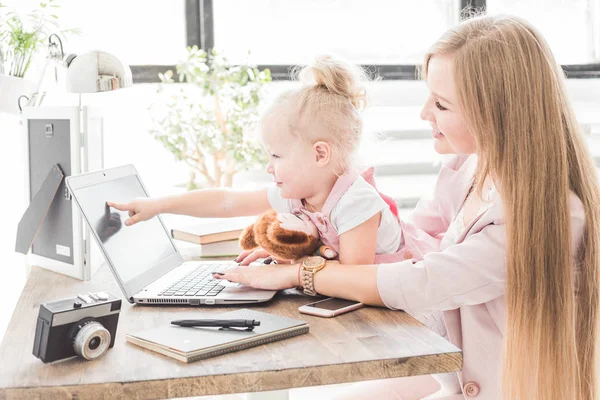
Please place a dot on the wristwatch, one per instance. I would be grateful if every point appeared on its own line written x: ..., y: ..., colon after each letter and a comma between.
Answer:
x: 310, y: 266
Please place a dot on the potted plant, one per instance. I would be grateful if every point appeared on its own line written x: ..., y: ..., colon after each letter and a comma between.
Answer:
x: 208, y: 121
x: 21, y: 38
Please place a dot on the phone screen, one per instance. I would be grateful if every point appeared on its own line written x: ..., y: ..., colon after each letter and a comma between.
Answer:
x: 332, y: 304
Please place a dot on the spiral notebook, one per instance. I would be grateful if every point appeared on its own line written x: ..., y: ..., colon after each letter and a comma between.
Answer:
x: 193, y: 344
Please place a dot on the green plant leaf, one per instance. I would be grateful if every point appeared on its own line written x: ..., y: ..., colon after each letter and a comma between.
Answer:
x: 208, y: 121
x: 23, y: 35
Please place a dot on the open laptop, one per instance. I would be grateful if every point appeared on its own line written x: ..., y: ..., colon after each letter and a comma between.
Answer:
x: 143, y: 257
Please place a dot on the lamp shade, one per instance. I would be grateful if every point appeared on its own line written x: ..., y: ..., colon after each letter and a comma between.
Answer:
x: 96, y: 71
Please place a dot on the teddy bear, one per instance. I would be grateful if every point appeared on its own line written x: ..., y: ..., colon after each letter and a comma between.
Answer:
x: 285, y: 236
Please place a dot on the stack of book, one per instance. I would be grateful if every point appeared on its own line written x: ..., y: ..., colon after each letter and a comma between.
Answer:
x: 216, y: 239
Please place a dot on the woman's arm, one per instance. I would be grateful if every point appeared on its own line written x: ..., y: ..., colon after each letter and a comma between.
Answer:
x: 353, y: 282
x: 468, y: 273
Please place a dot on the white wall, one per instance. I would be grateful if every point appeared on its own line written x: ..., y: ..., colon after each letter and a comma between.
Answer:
x: 12, y: 204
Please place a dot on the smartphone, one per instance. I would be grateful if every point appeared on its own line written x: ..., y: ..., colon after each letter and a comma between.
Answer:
x: 330, y: 307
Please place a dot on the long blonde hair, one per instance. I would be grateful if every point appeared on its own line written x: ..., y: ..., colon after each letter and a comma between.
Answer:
x: 512, y: 94
x: 327, y: 106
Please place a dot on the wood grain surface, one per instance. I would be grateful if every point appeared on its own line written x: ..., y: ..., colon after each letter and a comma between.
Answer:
x: 370, y: 343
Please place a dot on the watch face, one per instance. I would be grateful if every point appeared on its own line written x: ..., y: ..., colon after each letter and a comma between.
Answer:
x: 313, y: 262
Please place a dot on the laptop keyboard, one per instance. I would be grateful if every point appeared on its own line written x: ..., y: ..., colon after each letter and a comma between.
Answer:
x: 199, y: 282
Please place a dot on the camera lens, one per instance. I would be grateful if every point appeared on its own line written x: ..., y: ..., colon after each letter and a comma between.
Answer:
x: 92, y: 340
x: 95, y: 342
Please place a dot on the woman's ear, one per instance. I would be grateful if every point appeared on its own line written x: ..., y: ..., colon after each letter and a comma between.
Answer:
x: 322, y: 153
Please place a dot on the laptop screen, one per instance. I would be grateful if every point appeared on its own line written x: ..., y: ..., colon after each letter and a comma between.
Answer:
x: 132, y: 250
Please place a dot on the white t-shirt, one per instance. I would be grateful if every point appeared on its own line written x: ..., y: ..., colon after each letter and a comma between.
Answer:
x: 360, y: 202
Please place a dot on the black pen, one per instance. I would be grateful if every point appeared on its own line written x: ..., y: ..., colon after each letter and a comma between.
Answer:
x: 219, y: 323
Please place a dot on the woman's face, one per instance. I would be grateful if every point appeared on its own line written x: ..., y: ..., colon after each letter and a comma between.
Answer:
x: 442, y: 110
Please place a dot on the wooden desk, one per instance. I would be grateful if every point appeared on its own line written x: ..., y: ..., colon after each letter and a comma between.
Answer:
x: 370, y: 343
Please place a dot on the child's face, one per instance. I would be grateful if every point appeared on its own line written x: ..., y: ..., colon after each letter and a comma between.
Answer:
x: 292, y: 162
x: 443, y: 112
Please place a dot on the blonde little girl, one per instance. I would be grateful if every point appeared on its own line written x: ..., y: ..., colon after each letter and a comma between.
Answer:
x: 311, y: 134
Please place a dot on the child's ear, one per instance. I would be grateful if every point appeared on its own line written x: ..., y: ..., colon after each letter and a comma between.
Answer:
x: 322, y: 153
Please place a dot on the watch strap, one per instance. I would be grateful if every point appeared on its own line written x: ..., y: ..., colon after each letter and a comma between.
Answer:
x: 307, y: 276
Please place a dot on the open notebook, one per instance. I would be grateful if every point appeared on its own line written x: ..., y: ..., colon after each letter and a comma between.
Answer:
x: 192, y: 344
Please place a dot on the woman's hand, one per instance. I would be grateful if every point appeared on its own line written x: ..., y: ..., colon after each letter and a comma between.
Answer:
x: 140, y: 209
x: 269, y: 277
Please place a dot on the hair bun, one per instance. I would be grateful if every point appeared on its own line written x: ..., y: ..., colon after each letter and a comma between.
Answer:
x: 338, y: 77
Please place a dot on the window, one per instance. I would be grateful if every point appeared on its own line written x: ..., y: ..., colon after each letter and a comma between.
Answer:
x: 288, y: 32
x: 571, y: 27
x: 393, y: 35
x: 390, y: 34
x: 139, y: 32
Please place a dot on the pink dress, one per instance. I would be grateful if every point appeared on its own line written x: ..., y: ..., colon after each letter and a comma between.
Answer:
x: 322, y: 220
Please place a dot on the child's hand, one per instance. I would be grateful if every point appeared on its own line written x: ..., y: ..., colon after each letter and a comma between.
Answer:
x: 140, y: 209
x: 248, y: 256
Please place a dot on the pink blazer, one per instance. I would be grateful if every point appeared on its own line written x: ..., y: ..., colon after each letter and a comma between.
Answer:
x: 466, y: 281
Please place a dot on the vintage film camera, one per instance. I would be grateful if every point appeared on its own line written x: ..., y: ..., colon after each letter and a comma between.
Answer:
x: 85, y: 325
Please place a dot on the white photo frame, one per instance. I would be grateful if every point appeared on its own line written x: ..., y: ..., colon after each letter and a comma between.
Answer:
x: 77, y: 254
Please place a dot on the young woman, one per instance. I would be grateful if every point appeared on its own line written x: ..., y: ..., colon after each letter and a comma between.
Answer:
x: 516, y: 215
